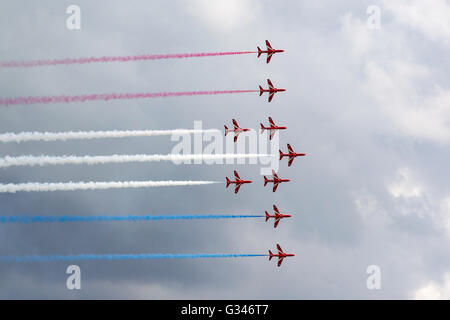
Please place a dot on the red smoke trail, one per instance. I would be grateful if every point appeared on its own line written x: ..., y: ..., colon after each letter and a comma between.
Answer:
x: 67, y: 61
x: 108, y: 96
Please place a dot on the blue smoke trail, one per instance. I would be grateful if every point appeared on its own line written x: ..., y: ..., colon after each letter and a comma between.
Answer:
x: 49, y: 219
x: 37, y: 258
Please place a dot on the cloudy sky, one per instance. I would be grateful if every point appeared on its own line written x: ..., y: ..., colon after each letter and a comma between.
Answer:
x: 370, y: 107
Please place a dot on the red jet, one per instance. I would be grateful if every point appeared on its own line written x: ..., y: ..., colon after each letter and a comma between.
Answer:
x: 270, y: 51
x: 281, y: 255
x: 236, y: 130
x: 292, y: 155
x: 271, y: 90
x: 272, y: 128
x: 276, y: 180
x: 277, y: 216
x: 238, y: 182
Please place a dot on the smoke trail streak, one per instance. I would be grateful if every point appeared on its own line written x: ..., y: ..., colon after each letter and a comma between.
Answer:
x: 108, y: 96
x: 73, y: 135
x: 93, y: 185
x: 68, y: 61
x: 130, y: 218
x: 115, y: 158
x: 143, y: 256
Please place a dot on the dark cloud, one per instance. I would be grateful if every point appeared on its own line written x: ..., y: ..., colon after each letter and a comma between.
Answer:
x: 352, y: 151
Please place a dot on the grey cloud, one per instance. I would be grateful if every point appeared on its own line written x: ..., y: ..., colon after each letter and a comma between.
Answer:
x: 350, y: 146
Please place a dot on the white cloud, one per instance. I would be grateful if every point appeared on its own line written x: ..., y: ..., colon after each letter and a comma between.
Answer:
x: 405, y: 185
x: 434, y: 291
x: 224, y: 16
x: 403, y: 89
x: 429, y: 17
x: 370, y: 208
x: 409, y: 197
x: 396, y: 88
x: 356, y: 34
x: 414, y: 196
x: 445, y: 214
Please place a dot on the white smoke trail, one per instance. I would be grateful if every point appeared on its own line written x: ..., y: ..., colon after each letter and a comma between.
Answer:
x: 82, y: 135
x: 93, y: 185
x: 91, y: 160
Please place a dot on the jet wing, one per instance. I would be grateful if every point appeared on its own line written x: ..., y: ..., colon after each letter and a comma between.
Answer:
x: 275, y: 186
x: 277, y: 220
x: 271, y: 96
x: 272, y: 133
x: 235, y: 124
x: 290, y: 148
x: 236, y: 135
x: 269, y: 56
x: 275, y: 176
x: 279, y: 249
x: 236, y: 175
x: 270, y: 84
x: 275, y: 209
x: 269, y: 47
x: 280, y: 260
x: 238, y: 186
x: 271, y: 121
x: 291, y: 159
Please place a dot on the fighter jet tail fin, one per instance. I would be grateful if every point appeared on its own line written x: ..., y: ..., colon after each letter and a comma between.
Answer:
x: 262, y: 127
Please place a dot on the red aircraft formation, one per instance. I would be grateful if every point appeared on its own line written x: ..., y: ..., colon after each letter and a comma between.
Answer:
x: 291, y: 154
x: 270, y: 51
x: 281, y: 255
x: 275, y: 180
x: 272, y: 128
x: 271, y: 90
x: 236, y: 129
x: 238, y: 182
x: 277, y: 216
